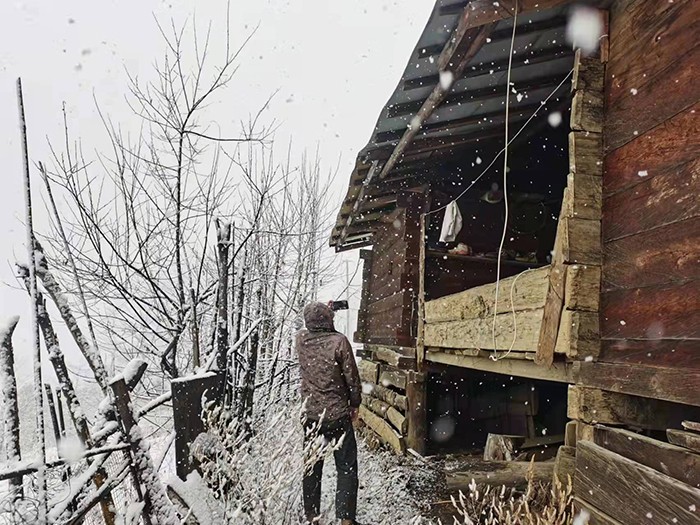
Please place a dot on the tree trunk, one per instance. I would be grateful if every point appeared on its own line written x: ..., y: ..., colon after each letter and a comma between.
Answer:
x: 8, y: 381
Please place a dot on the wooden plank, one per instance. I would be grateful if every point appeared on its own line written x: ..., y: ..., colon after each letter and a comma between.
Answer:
x: 387, y: 434
x: 589, y: 74
x: 398, y: 420
x: 582, y: 288
x: 400, y: 357
x: 554, y: 302
x: 666, y: 255
x: 668, y: 145
x: 579, y: 335
x: 565, y: 465
x: 500, y: 447
x: 559, y: 372
x: 528, y: 291
x: 631, y: 492
x: 570, y: 434
x: 586, y: 153
x: 416, y: 412
x: 581, y: 240
x: 420, y: 328
x: 676, y: 353
x: 664, y: 194
x: 595, y: 406
x: 587, y: 111
x: 477, y: 333
x: 653, y: 64
x: 585, y: 195
x: 672, y: 460
x: 499, y: 473
x: 663, y: 383
x: 390, y: 396
x: 684, y: 439
x: 670, y: 311
x: 369, y: 371
x: 389, y: 376
x: 594, y: 516
x: 691, y: 425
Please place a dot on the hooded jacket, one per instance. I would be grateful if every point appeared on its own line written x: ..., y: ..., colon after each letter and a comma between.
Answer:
x: 330, y: 383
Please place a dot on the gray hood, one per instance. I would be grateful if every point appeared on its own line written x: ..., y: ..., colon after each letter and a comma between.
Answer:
x: 318, y: 317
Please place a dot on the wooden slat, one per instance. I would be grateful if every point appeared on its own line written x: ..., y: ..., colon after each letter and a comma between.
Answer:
x: 477, y: 333
x: 669, y: 311
x: 679, y: 385
x: 631, y: 492
x: 670, y: 144
x: 676, y: 353
x: 528, y: 293
x: 416, y: 412
x: 662, y: 198
x: 682, y: 438
x: 565, y: 464
x: 383, y: 430
x: 671, y: 460
x: 691, y: 425
x: 586, y: 153
x: 664, y: 256
x: 582, y: 288
x: 653, y: 50
x: 579, y: 335
x: 592, y: 405
x: 595, y: 517
x: 558, y: 372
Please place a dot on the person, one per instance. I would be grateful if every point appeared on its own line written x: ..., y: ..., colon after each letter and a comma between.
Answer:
x: 331, y: 389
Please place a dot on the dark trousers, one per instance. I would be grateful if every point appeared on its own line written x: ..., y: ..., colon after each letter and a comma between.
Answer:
x: 345, y: 464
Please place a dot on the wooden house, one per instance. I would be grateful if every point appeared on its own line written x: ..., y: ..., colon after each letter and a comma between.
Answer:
x: 596, y: 331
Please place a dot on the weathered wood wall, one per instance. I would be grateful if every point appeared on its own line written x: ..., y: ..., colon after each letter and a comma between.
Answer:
x: 650, y: 301
x: 390, y: 278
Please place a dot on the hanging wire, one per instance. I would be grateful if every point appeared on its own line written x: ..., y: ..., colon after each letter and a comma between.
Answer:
x: 505, y: 188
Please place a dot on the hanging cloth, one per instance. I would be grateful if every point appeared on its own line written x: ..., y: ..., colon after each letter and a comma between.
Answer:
x: 451, y: 223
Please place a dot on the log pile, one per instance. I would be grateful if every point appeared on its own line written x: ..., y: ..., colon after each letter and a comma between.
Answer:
x: 389, y: 380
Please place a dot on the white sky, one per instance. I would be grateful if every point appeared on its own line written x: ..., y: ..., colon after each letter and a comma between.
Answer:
x: 335, y: 64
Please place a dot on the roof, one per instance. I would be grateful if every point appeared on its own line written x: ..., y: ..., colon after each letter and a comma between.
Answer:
x: 423, y: 123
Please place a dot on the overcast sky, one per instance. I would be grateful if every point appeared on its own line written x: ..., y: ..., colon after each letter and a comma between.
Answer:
x: 334, y: 63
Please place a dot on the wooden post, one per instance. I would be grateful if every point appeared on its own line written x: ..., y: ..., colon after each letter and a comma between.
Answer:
x: 416, y: 412
x: 223, y: 244
x: 420, y: 339
x: 157, y: 509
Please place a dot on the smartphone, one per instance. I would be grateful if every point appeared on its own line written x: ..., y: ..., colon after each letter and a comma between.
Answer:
x: 339, y: 305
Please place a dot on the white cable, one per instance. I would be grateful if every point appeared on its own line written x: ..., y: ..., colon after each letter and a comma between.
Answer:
x: 495, y: 356
x: 505, y: 184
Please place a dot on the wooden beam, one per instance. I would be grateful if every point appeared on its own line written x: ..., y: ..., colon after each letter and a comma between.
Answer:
x: 595, y: 517
x: 398, y: 356
x: 416, y: 412
x: 631, y: 492
x: 558, y: 372
x: 586, y: 153
x: 390, y: 396
x: 390, y: 376
x: 592, y: 405
x: 565, y: 465
x: 682, y: 438
x: 529, y: 292
x: 679, y: 385
x: 499, y: 473
x: 582, y: 288
x: 579, y: 335
x: 672, y: 460
x: 484, y: 11
x: 454, y: 59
